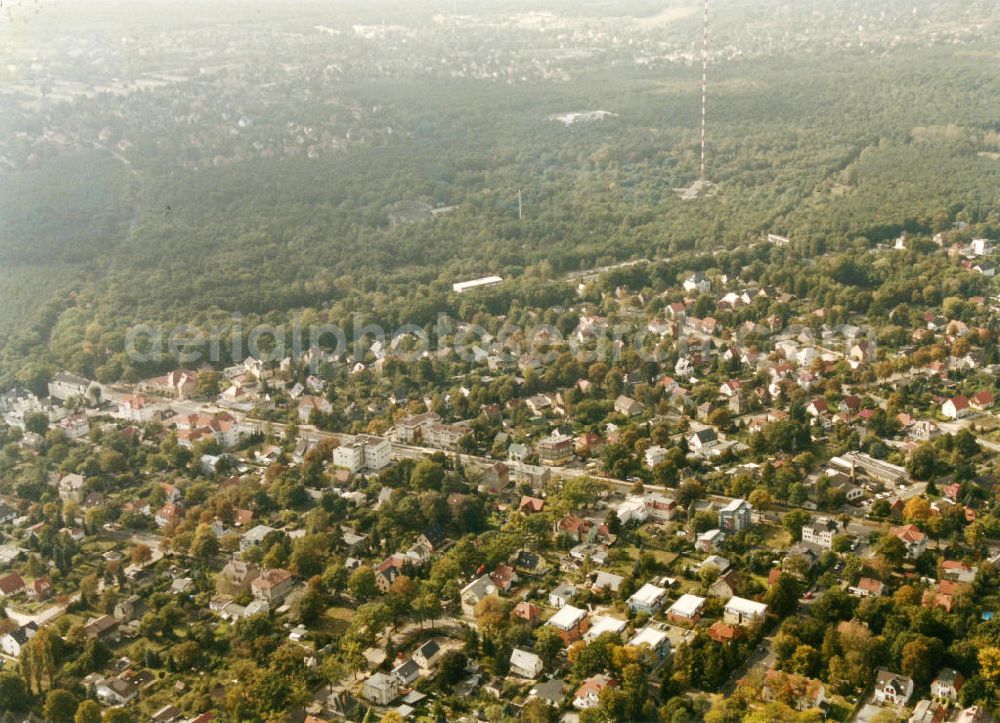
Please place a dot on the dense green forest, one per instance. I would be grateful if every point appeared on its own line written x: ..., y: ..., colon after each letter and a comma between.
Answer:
x: 828, y: 145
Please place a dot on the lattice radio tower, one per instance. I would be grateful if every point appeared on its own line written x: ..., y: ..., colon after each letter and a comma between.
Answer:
x: 704, y: 89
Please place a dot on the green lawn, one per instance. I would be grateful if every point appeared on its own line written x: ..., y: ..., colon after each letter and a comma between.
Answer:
x: 335, y: 620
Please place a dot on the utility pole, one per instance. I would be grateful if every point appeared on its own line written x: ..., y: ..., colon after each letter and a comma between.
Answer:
x: 520, y: 206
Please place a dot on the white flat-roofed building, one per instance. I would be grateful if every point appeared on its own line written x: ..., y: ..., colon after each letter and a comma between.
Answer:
x: 463, y: 286
x: 364, y: 451
x: 571, y: 622
x: 740, y: 611
x: 687, y: 609
x: 656, y: 639
x: 600, y: 624
x: 647, y: 599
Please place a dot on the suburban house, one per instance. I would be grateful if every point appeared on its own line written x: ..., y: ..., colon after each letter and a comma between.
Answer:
x: 71, y: 488
x: 531, y: 614
x: 427, y: 654
x: 892, y: 688
x: 525, y: 664
x: 104, y: 628
x: 956, y: 407
x: 913, y: 538
x: 740, y: 611
x: 11, y: 642
x: 380, y: 689
x: 406, y: 672
x: 709, y: 541
x: 116, y: 691
x: 821, y: 532
x: 307, y: 404
x: 474, y: 592
x: 570, y: 622
x: 947, y: 684
x: 647, y: 599
x: 726, y: 585
x: 627, y: 406
x: 11, y: 584
x: 868, y: 587
x: 686, y: 610
x: 561, y: 594
x: 737, y: 516
x: 496, y: 477
x: 589, y: 692
x: 272, y: 586
x: 657, y: 640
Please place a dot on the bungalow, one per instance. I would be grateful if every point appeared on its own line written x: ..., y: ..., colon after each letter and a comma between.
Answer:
x: 570, y: 622
x: 686, y: 610
x: 589, y: 693
x: 525, y: 664
x: 892, y: 688
x: 867, y: 587
x: 982, y: 400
